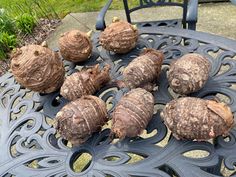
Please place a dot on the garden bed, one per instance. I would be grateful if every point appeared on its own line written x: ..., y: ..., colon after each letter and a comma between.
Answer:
x: 39, y: 34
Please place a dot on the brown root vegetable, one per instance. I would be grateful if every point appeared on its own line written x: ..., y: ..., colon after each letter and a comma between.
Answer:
x: 75, y: 46
x: 132, y: 114
x: 119, y: 37
x: 80, y: 118
x: 144, y: 69
x: 85, y: 82
x: 38, y: 68
x: 189, y: 73
x: 195, y: 118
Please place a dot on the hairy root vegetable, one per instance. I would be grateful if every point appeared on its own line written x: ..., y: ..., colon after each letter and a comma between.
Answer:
x: 144, y: 69
x: 75, y: 46
x: 119, y: 37
x: 85, y: 82
x: 189, y: 73
x: 80, y: 118
x: 195, y: 118
x: 38, y: 68
x: 132, y: 114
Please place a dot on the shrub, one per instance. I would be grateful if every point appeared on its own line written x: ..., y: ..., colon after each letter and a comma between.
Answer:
x: 7, y: 43
x: 2, y: 54
x: 25, y: 23
x: 6, y: 23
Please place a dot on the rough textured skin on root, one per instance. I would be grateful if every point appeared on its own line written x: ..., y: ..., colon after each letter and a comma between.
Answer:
x: 222, y: 110
x: 119, y: 37
x: 144, y: 69
x: 75, y: 46
x: 189, y: 73
x: 195, y: 118
x: 132, y: 114
x: 37, y: 68
x: 85, y: 82
x: 80, y: 118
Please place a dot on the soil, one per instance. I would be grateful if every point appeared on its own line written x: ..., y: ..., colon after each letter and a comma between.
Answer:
x: 40, y: 34
x: 4, y: 66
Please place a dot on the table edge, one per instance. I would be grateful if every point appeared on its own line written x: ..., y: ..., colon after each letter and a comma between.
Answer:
x: 222, y: 42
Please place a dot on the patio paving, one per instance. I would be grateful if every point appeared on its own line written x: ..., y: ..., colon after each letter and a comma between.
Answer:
x: 215, y: 18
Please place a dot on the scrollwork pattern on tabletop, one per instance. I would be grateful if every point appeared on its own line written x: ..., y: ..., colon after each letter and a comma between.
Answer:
x: 30, y: 145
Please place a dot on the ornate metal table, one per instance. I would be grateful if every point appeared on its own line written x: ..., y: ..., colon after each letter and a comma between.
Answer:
x: 29, y: 145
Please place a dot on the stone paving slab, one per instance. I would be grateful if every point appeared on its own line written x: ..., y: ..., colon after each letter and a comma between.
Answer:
x: 68, y: 23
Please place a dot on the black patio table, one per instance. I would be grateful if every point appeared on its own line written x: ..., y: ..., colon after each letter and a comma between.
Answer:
x: 29, y: 145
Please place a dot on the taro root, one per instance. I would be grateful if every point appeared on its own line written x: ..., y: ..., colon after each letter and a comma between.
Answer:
x: 37, y: 68
x: 195, y: 118
x: 119, y: 37
x: 85, y: 82
x: 75, y: 46
x: 132, y: 113
x: 80, y: 118
x: 189, y: 73
x: 144, y: 69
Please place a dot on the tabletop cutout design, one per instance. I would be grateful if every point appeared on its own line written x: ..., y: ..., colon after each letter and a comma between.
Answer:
x: 30, y: 146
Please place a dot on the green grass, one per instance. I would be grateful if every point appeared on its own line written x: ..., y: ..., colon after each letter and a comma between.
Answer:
x: 6, y: 23
x: 47, y: 7
x: 25, y: 23
x: 7, y: 43
x: 50, y: 8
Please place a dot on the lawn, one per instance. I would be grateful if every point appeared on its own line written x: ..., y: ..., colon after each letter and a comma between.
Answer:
x: 63, y: 7
x: 49, y: 7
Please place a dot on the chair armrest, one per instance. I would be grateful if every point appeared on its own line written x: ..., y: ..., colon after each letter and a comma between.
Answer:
x: 100, y: 24
x: 192, y: 12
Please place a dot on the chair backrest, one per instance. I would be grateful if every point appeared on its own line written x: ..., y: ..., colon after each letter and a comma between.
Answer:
x: 153, y: 3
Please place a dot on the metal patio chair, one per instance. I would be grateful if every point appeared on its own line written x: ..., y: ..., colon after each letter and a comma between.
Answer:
x: 189, y: 19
